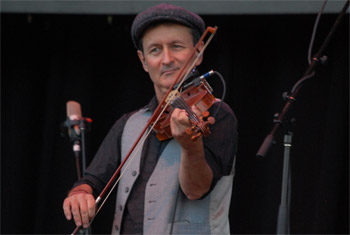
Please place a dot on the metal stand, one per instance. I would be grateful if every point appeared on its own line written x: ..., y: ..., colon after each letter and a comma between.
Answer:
x: 83, y: 151
x: 82, y: 126
x: 283, y: 211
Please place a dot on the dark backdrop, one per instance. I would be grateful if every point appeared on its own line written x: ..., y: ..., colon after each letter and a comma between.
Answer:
x: 47, y: 60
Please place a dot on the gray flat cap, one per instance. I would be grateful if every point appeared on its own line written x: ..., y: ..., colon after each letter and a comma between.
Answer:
x: 164, y: 12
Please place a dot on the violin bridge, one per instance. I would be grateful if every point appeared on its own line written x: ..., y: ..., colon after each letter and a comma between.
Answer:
x: 172, y: 95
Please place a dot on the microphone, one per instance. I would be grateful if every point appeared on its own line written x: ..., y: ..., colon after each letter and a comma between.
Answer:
x: 196, y: 81
x: 74, y: 118
x: 76, y: 125
x: 75, y: 122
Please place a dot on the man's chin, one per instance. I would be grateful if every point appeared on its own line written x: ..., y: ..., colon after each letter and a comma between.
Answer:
x: 168, y: 82
x: 165, y: 90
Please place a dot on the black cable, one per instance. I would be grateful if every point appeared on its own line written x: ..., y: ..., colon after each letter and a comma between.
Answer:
x: 310, y: 60
x: 314, y: 31
x: 301, y: 80
x: 223, y: 92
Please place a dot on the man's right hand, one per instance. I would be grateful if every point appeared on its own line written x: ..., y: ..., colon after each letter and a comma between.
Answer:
x: 81, y: 204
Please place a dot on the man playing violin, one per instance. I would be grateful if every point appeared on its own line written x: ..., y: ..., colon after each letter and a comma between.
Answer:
x: 176, y: 185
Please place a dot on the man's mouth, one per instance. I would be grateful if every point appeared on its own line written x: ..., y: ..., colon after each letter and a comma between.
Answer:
x: 168, y: 72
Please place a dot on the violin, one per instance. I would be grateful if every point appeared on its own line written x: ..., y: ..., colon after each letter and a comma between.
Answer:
x: 199, y: 95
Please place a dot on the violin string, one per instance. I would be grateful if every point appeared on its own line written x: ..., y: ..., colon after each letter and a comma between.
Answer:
x: 179, y: 103
x: 192, y: 116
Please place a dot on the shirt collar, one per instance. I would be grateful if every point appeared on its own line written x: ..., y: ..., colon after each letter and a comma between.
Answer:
x: 152, y: 105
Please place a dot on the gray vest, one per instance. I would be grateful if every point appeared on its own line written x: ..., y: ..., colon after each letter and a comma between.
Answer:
x: 167, y: 210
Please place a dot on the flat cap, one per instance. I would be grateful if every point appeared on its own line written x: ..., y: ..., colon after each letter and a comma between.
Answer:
x: 164, y: 13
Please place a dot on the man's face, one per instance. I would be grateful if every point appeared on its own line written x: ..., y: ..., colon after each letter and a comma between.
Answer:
x: 166, y: 48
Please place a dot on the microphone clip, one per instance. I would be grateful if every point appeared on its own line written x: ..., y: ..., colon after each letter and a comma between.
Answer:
x: 74, y: 128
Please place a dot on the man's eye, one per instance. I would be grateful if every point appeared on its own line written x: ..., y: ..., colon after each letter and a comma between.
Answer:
x: 176, y: 46
x: 154, y: 50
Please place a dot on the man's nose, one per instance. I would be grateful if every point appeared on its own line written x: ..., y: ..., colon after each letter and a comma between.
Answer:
x: 167, y: 57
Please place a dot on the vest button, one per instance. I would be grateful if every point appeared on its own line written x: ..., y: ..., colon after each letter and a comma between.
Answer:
x: 120, y: 207
x: 116, y: 227
x: 126, y: 189
x: 133, y: 173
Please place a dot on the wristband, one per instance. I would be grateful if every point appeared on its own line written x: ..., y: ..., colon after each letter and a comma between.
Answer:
x: 73, y: 192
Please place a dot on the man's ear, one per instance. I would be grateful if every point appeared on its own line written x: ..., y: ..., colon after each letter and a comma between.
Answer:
x: 201, y: 58
x: 143, y: 60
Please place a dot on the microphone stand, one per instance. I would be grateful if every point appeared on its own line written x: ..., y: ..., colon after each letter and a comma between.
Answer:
x: 76, y: 150
x: 77, y: 139
x: 283, y: 211
x: 283, y: 215
x: 82, y: 126
x: 269, y: 140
